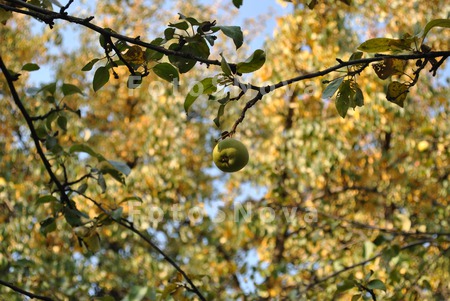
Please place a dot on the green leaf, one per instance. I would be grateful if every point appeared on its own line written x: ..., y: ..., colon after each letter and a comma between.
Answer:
x: 62, y: 122
x: 152, y: 55
x: 368, y: 275
x: 104, y: 298
x: 219, y: 115
x: 73, y: 216
x: 49, y: 120
x: 46, y: 199
x: 166, y: 71
x: 89, y: 65
x: 237, y: 3
x: 253, y: 63
x: 345, y: 286
x: 386, y: 44
x: 101, y: 77
x: 332, y: 88
x: 356, y: 297
x: 82, y: 189
x: 180, y: 25
x: 4, y: 15
x: 225, y: 67
x: 197, y: 46
x: 233, y: 32
x: 117, y: 175
x: 82, y: 148
x: 168, y: 33
x: 168, y: 289
x: 117, y: 214
x: 435, y: 23
x: 51, y: 88
x: 48, y: 225
x: 356, y: 56
x: 397, y: 92
x: 183, y: 64
x: 132, y: 198
x: 30, y: 67
x: 51, y: 142
x: 343, y: 98
x: 101, y: 182
x: 205, y: 86
x: 69, y: 89
x: 376, y: 284
x: 121, y: 166
x: 136, y: 293
x: 358, y: 98
x: 191, y: 20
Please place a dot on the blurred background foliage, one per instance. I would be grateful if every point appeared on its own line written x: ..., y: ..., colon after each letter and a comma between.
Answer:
x: 371, y: 187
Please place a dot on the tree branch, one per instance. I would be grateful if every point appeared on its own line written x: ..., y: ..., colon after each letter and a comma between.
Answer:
x: 34, y: 135
x: 49, y: 16
x: 24, y: 292
x: 326, y: 278
x: 129, y: 225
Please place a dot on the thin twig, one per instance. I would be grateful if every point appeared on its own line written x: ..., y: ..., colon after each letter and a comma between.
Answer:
x: 24, y: 292
x: 345, y: 269
x: 129, y: 225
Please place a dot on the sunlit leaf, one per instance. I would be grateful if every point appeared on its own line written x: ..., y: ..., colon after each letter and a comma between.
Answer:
x: 435, y: 23
x: 356, y: 297
x: 397, y: 92
x: 386, y: 44
x: 120, y: 166
x: 253, y: 63
x: 343, y: 98
x: 134, y: 55
x: 205, y: 86
x: 389, y: 67
x: 82, y: 148
x: 332, y: 88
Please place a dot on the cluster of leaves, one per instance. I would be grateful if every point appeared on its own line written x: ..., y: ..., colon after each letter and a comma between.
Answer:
x: 350, y: 95
x: 375, y: 191
x: 188, y: 41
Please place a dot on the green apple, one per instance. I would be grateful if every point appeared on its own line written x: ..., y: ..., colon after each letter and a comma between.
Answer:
x: 230, y: 155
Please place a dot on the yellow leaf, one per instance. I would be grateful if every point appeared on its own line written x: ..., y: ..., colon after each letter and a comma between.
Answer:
x: 397, y: 92
x: 134, y: 55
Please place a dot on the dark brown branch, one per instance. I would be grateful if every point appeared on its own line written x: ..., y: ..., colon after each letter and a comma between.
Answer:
x: 65, y: 7
x: 24, y: 292
x: 49, y: 16
x: 248, y: 105
x: 364, y: 61
x: 34, y: 135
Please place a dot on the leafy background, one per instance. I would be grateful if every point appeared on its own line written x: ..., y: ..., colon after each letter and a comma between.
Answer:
x: 371, y: 187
